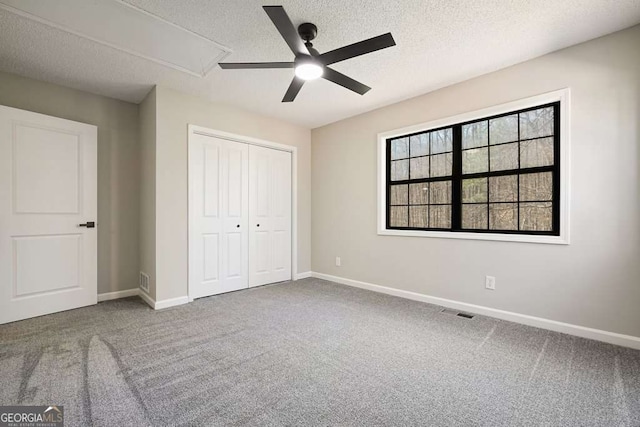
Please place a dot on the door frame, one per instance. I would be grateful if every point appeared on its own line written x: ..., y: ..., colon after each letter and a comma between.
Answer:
x: 204, y: 131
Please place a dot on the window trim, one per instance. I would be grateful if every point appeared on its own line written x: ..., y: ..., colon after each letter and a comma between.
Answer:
x: 562, y: 96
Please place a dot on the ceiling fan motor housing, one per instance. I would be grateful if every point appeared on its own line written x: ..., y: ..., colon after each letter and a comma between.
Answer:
x: 307, y: 31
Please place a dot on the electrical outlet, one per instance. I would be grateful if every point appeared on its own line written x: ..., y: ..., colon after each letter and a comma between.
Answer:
x: 490, y: 282
x: 144, y: 282
x: 338, y: 261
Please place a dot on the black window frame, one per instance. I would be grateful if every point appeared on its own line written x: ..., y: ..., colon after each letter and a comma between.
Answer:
x: 457, y: 175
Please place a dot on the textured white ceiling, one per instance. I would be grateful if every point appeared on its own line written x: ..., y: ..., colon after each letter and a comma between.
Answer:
x: 439, y: 42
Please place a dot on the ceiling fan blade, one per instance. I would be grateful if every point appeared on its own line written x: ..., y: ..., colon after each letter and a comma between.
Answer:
x: 288, y: 32
x: 344, y: 81
x: 293, y: 90
x: 249, y: 65
x: 357, y: 49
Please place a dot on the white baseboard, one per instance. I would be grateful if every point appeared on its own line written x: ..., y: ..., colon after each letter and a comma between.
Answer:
x: 304, y: 275
x: 538, y: 322
x: 156, y: 305
x: 146, y: 298
x: 108, y: 296
x: 171, y: 302
x: 159, y: 305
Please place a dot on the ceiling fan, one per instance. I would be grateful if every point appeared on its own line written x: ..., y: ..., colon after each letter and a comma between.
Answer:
x: 310, y: 64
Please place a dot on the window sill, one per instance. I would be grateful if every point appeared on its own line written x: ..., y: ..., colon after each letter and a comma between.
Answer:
x: 552, y: 240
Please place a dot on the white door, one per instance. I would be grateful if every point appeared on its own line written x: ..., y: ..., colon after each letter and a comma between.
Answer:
x: 48, y: 188
x: 269, y: 215
x: 218, y: 216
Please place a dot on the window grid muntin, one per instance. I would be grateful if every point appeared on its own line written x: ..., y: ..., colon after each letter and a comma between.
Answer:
x: 457, y: 175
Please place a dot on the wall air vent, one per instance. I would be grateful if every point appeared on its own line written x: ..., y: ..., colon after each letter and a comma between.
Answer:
x: 144, y: 282
x: 124, y: 27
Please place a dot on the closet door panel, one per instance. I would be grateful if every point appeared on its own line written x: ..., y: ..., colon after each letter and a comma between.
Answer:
x: 218, y: 216
x: 281, y: 216
x: 235, y: 254
x: 269, y: 216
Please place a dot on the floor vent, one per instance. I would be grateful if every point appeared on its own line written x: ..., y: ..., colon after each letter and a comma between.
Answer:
x: 465, y: 315
x: 456, y: 313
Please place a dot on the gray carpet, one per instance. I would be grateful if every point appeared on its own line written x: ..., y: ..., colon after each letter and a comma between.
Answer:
x: 311, y: 353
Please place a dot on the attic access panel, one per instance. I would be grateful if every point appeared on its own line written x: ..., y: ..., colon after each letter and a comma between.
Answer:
x: 126, y: 28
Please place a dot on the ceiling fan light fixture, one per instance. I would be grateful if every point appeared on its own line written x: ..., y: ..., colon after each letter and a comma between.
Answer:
x: 308, y: 70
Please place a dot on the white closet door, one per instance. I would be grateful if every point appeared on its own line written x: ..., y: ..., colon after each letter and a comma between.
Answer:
x: 48, y: 208
x: 269, y: 216
x: 218, y: 215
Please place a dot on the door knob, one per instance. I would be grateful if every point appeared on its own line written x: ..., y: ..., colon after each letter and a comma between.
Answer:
x: 88, y: 224
x: 238, y: 226
x: 258, y: 225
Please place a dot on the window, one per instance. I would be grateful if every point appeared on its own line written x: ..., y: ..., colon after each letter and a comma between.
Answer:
x: 497, y: 174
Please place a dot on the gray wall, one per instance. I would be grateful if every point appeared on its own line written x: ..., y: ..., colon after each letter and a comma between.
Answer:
x: 118, y: 159
x: 175, y: 111
x: 593, y: 282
